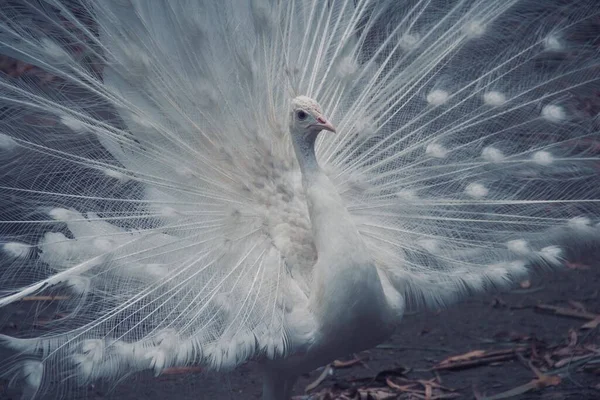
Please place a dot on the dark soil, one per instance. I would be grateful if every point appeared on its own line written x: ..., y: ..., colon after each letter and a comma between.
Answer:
x: 492, y: 322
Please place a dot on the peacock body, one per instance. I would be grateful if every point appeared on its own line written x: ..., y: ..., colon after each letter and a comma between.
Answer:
x: 161, y: 163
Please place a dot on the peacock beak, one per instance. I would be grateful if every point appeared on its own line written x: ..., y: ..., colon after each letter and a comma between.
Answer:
x: 323, y: 124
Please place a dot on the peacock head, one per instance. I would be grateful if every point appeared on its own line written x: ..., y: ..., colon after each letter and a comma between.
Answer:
x: 307, y: 118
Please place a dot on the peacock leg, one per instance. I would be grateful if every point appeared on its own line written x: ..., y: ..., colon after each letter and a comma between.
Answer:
x: 289, y: 385
x: 274, y: 385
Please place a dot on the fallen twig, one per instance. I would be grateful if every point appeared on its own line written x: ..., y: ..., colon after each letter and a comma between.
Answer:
x: 569, y: 360
x: 593, y: 324
x: 181, y: 370
x: 347, y: 363
x: 528, y: 290
x: 575, y: 265
x: 326, y: 372
x: 478, y: 357
x: 541, y: 381
x: 400, y: 347
x: 566, y: 312
x: 421, y: 389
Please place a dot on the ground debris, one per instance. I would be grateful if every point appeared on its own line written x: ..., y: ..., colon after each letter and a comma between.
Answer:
x: 182, y: 370
x: 566, y: 312
x: 550, y: 364
x: 387, y: 385
x: 479, y: 357
x: 539, y: 382
x: 349, y: 363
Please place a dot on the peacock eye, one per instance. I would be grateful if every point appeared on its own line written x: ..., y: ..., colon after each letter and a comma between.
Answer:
x: 301, y: 115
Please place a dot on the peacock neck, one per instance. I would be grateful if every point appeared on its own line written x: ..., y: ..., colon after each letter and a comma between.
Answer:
x: 327, y: 213
x: 333, y: 230
x: 346, y: 291
x: 304, y: 147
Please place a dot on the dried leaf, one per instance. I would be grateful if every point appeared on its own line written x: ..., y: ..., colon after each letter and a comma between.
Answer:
x: 593, y: 324
x: 549, y: 380
x: 565, y: 361
x: 572, y: 338
x: 577, y: 305
x: 346, y: 364
x: 428, y: 392
x: 567, y: 312
x: 578, y: 266
x: 538, y: 383
x: 380, y: 395
x: 463, y: 357
x: 478, y: 357
x: 434, y: 383
x: 326, y: 372
x: 401, y: 388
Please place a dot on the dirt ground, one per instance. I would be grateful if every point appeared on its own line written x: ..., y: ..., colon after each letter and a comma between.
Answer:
x: 494, y: 322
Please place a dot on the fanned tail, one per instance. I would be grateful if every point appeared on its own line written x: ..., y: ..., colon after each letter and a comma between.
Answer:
x: 144, y: 143
x: 480, y: 160
x: 147, y: 174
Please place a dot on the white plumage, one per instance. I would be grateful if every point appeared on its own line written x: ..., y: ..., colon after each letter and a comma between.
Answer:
x: 161, y: 165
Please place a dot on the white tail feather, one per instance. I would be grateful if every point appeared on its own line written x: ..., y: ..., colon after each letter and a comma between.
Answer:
x: 145, y: 155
